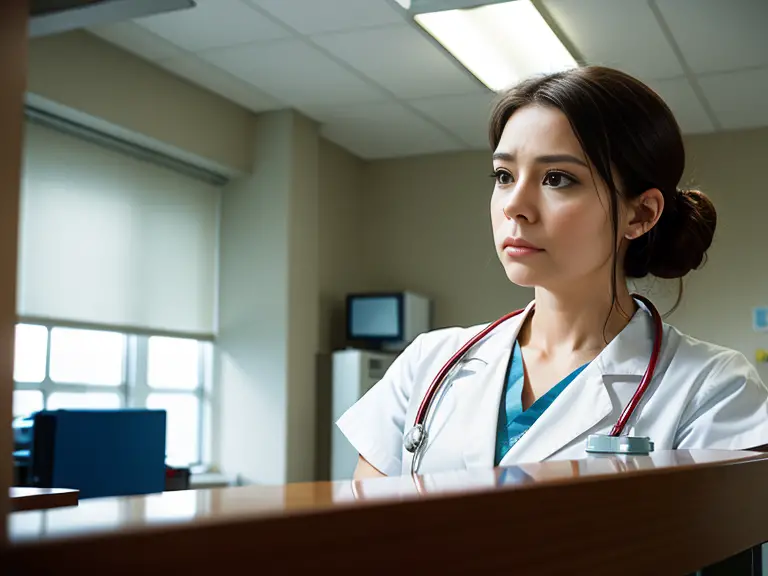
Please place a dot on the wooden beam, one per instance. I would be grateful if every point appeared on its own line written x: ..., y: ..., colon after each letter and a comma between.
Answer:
x: 13, y: 63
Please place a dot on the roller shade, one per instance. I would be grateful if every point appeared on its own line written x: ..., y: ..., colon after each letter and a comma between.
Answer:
x: 108, y: 239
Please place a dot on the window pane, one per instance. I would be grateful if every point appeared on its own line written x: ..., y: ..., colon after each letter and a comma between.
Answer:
x: 87, y: 356
x: 182, y: 426
x: 75, y: 400
x: 29, y: 355
x: 172, y: 363
x: 25, y: 402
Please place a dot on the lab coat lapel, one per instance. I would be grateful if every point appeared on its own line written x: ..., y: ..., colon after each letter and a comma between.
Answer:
x: 482, y: 393
x: 600, y: 391
x: 581, y: 406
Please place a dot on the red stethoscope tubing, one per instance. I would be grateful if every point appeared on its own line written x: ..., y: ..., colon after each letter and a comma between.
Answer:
x: 626, y: 414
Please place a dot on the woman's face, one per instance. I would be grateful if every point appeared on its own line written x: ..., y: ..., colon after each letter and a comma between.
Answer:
x: 551, y: 218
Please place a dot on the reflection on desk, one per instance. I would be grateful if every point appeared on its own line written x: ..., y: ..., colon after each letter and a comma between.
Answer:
x: 525, y: 475
x: 102, y: 515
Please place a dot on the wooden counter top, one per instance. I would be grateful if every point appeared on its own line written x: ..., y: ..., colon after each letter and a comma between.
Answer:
x: 681, y: 510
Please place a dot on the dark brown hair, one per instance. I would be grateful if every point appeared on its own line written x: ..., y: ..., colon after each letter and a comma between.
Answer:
x: 631, y: 137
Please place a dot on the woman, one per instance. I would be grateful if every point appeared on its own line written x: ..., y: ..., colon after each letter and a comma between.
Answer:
x: 586, y: 166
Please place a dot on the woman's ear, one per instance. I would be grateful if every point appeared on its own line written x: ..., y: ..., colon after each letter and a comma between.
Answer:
x: 644, y: 212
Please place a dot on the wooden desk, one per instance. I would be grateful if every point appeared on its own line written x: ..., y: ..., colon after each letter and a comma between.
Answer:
x: 668, y: 513
x: 23, y: 498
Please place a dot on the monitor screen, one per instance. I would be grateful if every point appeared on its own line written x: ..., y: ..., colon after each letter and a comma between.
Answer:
x: 375, y: 317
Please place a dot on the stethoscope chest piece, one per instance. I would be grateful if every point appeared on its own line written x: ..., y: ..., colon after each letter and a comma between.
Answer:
x: 414, y: 438
x: 605, y: 444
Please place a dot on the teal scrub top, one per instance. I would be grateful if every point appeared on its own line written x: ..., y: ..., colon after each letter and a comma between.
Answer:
x: 513, y: 421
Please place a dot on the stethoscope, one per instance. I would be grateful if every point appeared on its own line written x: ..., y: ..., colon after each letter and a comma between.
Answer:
x: 613, y: 443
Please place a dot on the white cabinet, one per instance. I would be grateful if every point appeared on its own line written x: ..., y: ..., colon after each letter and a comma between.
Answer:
x: 353, y: 374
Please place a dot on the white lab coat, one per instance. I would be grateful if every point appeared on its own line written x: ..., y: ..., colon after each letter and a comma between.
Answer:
x: 702, y: 396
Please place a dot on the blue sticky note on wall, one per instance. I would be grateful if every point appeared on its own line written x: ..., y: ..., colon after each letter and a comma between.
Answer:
x: 760, y: 319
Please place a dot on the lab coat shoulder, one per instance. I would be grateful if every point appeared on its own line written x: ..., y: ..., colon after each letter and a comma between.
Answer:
x: 375, y: 424
x: 727, y: 405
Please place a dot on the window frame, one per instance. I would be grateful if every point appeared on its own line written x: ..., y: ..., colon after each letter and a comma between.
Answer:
x: 134, y: 388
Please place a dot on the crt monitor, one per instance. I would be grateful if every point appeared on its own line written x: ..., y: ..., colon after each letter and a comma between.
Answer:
x: 395, y: 317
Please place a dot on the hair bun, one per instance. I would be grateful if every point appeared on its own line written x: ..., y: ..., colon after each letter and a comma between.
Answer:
x: 683, y: 235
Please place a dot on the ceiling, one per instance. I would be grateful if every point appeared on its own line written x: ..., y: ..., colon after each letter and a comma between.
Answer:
x: 381, y: 88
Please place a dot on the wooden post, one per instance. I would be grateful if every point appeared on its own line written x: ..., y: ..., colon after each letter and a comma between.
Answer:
x: 13, y: 63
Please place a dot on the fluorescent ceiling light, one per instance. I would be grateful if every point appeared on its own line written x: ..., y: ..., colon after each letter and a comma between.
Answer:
x: 499, y: 43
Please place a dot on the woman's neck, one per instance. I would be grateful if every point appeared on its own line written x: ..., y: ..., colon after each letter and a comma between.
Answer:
x: 574, y: 320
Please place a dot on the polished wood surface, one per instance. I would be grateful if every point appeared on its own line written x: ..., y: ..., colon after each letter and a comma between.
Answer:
x: 13, y: 63
x: 669, y: 513
x: 24, y: 498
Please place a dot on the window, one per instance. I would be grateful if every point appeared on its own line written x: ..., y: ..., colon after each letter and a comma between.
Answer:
x: 173, y: 363
x: 173, y: 367
x: 87, y: 357
x: 62, y: 367
x: 60, y: 400
x: 182, y: 424
x: 26, y: 402
x: 30, y: 353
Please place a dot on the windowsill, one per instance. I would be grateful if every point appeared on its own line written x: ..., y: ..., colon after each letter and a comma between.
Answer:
x: 202, y: 480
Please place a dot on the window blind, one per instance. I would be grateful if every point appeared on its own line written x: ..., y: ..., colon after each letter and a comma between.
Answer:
x: 108, y: 239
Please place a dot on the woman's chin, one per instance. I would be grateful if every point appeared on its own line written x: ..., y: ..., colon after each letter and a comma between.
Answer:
x: 523, y: 275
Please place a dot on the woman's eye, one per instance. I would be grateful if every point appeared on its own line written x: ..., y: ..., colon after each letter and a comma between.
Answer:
x: 503, y: 177
x: 558, y: 180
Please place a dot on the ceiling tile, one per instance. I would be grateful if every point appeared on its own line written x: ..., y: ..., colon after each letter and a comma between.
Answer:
x: 213, y: 24
x: 738, y: 98
x: 686, y: 107
x: 317, y: 17
x: 385, y: 130
x: 133, y: 38
x: 402, y: 60
x: 295, y: 73
x: 221, y: 82
x: 621, y: 34
x: 718, y: 36
x: 465, y: 116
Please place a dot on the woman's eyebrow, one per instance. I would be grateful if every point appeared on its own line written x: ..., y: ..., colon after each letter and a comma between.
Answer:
x: 549, y: 159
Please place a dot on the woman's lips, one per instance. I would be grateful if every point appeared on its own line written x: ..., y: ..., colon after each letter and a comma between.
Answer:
x: 517, y: 248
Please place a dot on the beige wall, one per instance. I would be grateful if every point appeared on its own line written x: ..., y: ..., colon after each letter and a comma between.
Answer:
x: 88, y: 75
x: 251, y: 368
x: 427, y: 229
x: 343, y: 268
x: 719, y: 298
x: 303, y: 301
x: 342, y: 223
x: 268, y: 308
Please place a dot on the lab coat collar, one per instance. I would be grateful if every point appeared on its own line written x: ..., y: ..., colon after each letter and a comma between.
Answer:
x: 581, y: 406
x: 630, y: 352
x: 499, y: 340
x: 484, y: 390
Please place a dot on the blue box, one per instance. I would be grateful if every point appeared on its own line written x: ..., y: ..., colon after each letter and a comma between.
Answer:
x: 100, y: 452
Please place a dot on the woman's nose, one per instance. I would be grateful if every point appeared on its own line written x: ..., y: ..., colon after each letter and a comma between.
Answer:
x: 520, y: 203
